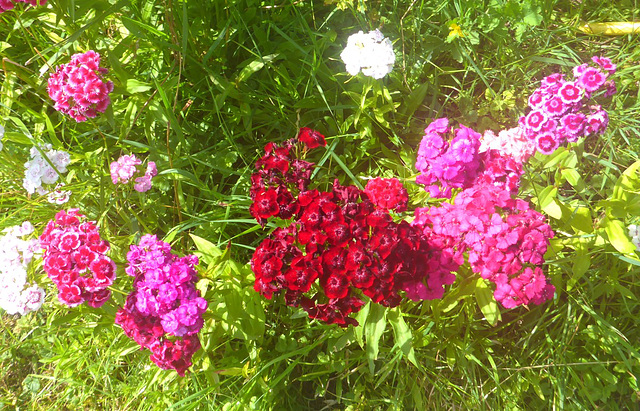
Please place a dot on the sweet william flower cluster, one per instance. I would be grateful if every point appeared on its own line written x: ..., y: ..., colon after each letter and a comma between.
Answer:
x: 560, y: 111
x: 58, y: 195
x: 342, y: 243
x: 126, y: 168
x: 504, y: 239
x: 370, y: 53
x: 75, y: 259
x: 459, y: 163
x: 165, y: 303
x: 77, y: 88
x: 16, y: 253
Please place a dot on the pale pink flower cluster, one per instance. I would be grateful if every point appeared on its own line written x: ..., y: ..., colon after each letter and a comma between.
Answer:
x: 10, y: 4
x: 38, y: 171
x: 77, y: 87
x: 511, y: 142
x: 125, y: 168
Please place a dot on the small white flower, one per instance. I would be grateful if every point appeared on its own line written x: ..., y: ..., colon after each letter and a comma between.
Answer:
x: 370, y: 53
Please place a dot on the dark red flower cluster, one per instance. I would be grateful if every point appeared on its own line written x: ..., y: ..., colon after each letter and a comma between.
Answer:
x: 75, y: 259
x: 279, y: 169
x: 387, y: 194
x: 346, y: 243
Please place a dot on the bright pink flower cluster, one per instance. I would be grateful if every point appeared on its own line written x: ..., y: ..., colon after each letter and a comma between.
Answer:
x: 459, y: 164
x: 77, y: 87
x: 75, y: 259
x: 387, y: 194
x: 445, y: 165
x: 559, y: 111
x: 165, y: 303
x: 10, y: 4
x: 504, y: 238
x: 125, y: 169
x: 342, y: 240
x: 500, y: 170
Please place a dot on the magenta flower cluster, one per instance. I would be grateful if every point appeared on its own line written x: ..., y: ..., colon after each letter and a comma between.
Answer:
x: 452, y: 164
x: 10, y: 4
x: 75, y: 259
x: 504, y: 239
x: 125, y: 168
x: 559, y: 108
x: 77, y: 88
x: 447, y: 165
x: 165, y: 302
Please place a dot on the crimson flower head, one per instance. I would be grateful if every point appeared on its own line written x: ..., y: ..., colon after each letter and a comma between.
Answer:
x: 387, y: 194
x: 311, y: 138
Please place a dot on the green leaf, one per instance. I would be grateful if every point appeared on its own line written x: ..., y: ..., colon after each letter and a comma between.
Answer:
x: 487, y: 303
x: 135, y: 86
x: 361, y: 317
x: 627, y: 182
x: 244, y: 313
x: 558, y: 156
x: 254, y: 66
x: 402, y: 334
x: 208, y: 252
x: 581, y: 263
x: 617, y: 234
x: 373, y: 330
x: 573, y: 177
x: 531, y: 17
x: 548, y: 202
x: 581, y: 220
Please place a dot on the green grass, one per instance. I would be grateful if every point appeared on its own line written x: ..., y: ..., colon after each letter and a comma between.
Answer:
x: 201, y: 87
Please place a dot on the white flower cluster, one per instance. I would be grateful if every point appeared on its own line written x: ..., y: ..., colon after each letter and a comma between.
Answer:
x: 634, y: 233
x: 16, y: 296
x: 371, y: 52
x: 38, y: 171
x: 1, y: 135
